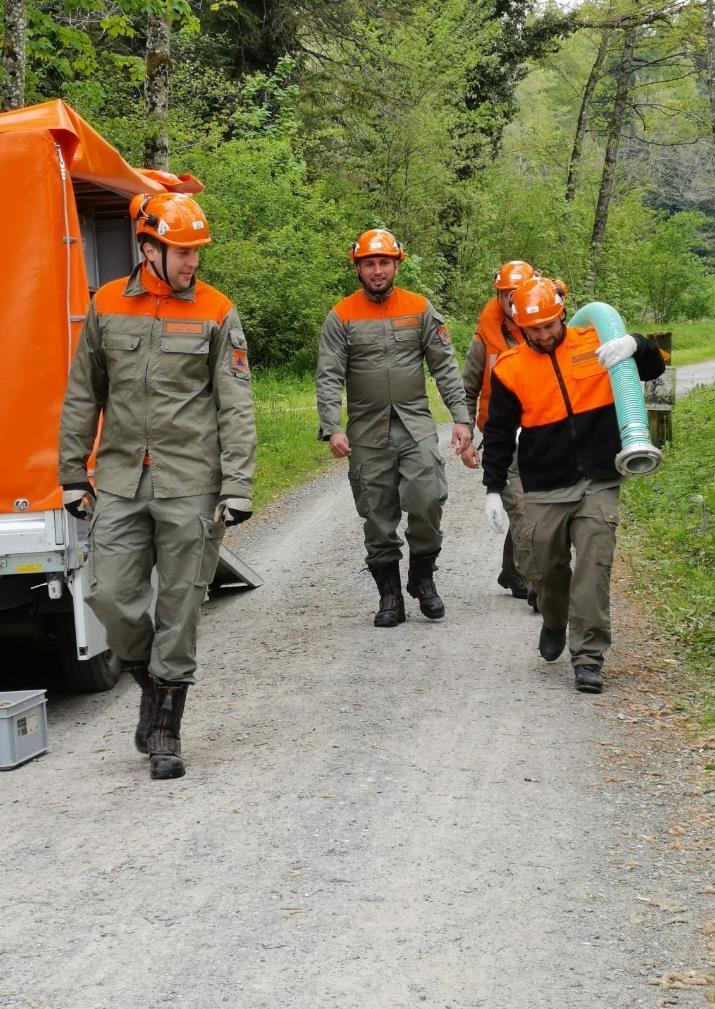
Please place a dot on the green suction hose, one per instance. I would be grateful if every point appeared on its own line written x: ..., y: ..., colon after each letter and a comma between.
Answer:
x: 637, y: 456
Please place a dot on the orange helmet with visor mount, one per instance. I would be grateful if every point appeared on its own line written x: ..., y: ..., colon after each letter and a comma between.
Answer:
x: 171, y: 218
x: 513, y: 273
x: 377, y: 242
x: 538, y: 301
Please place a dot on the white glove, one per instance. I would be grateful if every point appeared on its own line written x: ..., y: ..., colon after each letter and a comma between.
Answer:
x: 496, y: 516
x: 615, y: 351
x: 232, y: 510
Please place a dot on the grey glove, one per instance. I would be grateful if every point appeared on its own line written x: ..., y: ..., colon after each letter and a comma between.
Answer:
x: 79, y: 499
x: 233, y: 510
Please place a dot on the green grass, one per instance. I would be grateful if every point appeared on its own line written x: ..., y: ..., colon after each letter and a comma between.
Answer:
x: 693, y: 342
x: 670, y: 540
x: 289, y: 452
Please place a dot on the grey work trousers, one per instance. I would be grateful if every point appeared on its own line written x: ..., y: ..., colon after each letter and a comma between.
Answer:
x: 514, y: 545
x: 580, y: 598
x: 128, y: 537
x: 408, y: 476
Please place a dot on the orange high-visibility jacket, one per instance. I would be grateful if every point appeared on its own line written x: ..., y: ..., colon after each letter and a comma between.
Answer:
x: 496, y: 333
x: 563, y: 403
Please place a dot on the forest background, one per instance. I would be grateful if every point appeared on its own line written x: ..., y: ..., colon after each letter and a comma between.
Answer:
x: 576, y: 136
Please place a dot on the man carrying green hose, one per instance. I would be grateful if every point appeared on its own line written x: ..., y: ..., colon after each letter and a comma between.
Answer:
x: 555, y: 387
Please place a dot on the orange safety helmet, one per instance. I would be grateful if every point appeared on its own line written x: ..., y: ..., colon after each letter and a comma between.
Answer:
x: 171, y: 218
x: 538, y: 301
x: 377, y: 242
x: 513, y: 273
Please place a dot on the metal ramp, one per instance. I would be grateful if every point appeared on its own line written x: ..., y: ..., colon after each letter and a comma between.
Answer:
x: 233, y: 573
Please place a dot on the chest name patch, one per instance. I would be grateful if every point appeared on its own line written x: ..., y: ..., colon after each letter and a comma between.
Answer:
x: 183, y: 328
x: 586, y: 355
x: 406, y: 322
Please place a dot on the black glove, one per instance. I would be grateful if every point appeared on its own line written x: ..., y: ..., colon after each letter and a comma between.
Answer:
x: 79, y: 499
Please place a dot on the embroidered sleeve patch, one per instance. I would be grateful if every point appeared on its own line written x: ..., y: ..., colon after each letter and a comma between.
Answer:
x: 239, y: 361
x: 184, y: 328
x: 443, y: 334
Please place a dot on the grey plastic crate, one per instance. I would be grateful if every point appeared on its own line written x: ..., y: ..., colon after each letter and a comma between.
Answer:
x: 23, y: 726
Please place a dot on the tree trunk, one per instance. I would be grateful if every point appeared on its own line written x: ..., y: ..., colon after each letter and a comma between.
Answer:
x: 608, y: 178
x: 13, y: 54
x: 156, y: 92
x: 710, y: 37
x: 583, y: 114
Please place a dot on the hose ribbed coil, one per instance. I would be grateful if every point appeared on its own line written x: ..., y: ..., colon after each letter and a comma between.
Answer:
x: 638, y: 456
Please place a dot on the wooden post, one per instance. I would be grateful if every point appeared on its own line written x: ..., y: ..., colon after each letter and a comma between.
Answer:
x: 660, y: 394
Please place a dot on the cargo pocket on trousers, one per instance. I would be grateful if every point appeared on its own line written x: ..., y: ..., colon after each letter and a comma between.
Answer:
x: 527, y: 545
x: 211, y: 536
x: 356, y: 486
x: 604, y: 545
x: 440, y: 474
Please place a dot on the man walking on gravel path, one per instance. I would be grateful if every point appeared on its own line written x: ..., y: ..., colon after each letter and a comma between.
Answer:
x: 496, y: 332
x: 162, y: 358
x: 555, y: 387
x: 375, y: 343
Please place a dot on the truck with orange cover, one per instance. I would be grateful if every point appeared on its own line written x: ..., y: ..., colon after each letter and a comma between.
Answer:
x: 67, y: 231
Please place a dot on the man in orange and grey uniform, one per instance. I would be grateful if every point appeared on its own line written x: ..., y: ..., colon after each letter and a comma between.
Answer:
x: 555, y: 387
x: 374, y: 343
x: 495, y: 333
x: 162, y: 359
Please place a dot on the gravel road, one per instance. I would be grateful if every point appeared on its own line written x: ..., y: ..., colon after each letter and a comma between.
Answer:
x: 371, y: 819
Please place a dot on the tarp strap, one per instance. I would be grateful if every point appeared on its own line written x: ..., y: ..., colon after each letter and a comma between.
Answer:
x: 68, y: 241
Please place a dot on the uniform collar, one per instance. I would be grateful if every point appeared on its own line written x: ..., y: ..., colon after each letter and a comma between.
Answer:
x: 143, y: 281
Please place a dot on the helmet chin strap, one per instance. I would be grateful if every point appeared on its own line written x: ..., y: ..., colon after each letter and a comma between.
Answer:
x: 163, y: 274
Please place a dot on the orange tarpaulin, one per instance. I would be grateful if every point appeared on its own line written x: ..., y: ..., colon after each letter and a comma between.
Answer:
x: 89, y: 156
x: 42, y: 148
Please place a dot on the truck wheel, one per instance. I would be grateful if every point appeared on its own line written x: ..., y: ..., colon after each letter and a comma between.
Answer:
x: 89, y: 676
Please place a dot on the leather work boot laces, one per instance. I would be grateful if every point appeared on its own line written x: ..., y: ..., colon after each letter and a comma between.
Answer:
x: 512, y: 580
x: 392, y: 604
x: 589, y: 679
x: 420, y: 586
x: 552, y: 643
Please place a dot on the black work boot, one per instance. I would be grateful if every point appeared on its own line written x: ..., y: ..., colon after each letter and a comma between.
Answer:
x: 513, y: 580
x: 552, y: 643
x: 589, y: 679
x: 420, y: 585
x: 164, y: 739
x: 140, y: 672
x: 392, y: 604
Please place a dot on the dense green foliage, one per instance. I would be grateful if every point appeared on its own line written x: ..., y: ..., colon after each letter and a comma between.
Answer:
x: 449, y: 121
x: 672, y: 524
